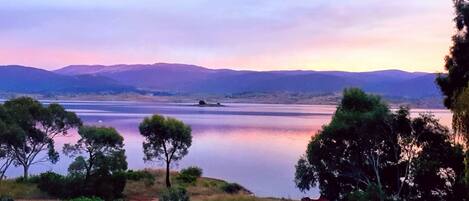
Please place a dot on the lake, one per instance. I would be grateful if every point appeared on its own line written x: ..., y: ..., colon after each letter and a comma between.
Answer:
x: 255, y: 145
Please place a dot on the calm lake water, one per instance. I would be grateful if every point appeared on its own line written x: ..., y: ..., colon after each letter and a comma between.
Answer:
x: 255, y: 145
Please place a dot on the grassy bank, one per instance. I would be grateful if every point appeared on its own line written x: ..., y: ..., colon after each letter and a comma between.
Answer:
x: 204, y: 189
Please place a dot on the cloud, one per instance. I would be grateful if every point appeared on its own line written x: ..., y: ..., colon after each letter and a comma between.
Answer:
x: 264, y: 34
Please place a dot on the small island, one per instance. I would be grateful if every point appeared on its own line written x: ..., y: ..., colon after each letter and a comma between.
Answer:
x: 203, y: 103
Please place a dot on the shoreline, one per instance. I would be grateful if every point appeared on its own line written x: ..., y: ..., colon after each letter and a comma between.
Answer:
x: 212, y: 100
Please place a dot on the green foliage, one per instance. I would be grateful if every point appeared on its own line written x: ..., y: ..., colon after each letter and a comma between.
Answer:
x: 174, y: 194
x: 6, y: 198
x: 231, y: 188
x: 104, y: 148
x: 31, y: 130
x: 457, y: 64
x: 86, y: 199
x: 367, y: 149
x: 454, y: 84
x: 139, y: 175
x: 101, y: 173
x: 372, y: 193
x: 189, y: 175
x: 166, y: 139
x: 107, y: 187
x: 31, y: 179
x: 60, y: 186
x: 146, y: 176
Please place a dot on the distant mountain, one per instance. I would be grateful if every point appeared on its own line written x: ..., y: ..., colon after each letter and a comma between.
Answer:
x: 421, y: 86
x: 160, y: 76
x: 23, y: 79
x: 197, y: 79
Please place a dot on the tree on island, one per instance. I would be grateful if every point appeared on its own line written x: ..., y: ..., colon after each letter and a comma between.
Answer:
x: 166, y: 139
x: 368, y: 152
x: 35, y: 127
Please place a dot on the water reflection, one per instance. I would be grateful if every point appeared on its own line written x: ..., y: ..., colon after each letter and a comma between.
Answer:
x: 256, y: 145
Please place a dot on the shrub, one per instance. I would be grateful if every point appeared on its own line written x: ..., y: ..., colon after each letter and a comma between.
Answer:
x: 105, y: 186
x: 6, y: 198
x: 86, y: 199
x: 174, y: 194
x: 231, y: 188
x: 193, y: 170
x: 189, y: 175
x: 51, y: 183
x: 148, y: 178
x: 108, y: 187
x: 60, y: 186
x: 31, y: 179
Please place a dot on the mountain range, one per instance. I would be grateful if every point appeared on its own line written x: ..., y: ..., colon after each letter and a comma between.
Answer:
x: 182, y: 78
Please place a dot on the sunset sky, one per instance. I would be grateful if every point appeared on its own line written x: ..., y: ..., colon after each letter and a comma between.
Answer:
x: 351, y: 35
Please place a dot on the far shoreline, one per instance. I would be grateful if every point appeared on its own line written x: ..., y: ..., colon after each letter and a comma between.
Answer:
x: 223, y: 101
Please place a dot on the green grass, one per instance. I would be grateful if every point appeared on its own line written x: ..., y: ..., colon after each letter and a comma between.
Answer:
x: 20, y: 190
x: 204, y: 189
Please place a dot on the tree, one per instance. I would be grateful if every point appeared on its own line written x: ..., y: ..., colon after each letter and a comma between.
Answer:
x: 5, y: 153
x: 454, y: 83
x: 166, y: 139
x: 36, y: 126
x: 367, y: 152
x: 104, y: 148
x: 99, y: 161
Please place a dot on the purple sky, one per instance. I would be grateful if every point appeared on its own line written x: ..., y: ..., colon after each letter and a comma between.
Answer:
x: 347, y: 35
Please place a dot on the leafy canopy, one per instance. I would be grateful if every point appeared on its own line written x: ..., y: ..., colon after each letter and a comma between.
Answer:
x: 368, y: 149
x: 166, y: 139
x: 32, y: 128
x: 103, y: 147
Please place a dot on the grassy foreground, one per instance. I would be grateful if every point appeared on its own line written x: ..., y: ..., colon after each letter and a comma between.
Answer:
x: 204, y: 189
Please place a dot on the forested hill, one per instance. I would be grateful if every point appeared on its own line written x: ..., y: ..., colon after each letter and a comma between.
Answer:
x: 197, y: 79
x: 181, y: 78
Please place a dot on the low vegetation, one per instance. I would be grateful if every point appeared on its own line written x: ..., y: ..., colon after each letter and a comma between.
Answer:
x: 137, y: 187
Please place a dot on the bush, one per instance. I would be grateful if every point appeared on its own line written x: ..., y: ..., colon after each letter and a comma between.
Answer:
x: 231, y: 188
x: 6, y: 198
x: 189, y: 175
x: 86, y: 199
x: 148, y: 178
x: 51, y: 183
x: 193, y: 171
x: 174, y: 194
x: 60, y: 186
x: 31, y: 179
x: 107, y: 187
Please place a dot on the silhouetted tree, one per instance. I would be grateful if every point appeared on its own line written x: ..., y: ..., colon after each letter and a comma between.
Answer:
x: 36, y: 127
x: 100, y: 161
x: 166, y: 139
x: 5, y: 153
x: 367, y: 152
x: 103, y: 147
x: 454, y: 83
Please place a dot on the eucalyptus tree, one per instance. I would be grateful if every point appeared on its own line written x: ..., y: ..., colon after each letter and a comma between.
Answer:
x: 454, y: 84
x: 36, y: 126
x: 368, y: 150
x: 166, y: 139
x: 6, y: 158
x: 103, y: 148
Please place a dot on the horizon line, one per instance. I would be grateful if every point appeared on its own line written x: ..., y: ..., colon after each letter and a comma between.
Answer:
x: 221, y: 68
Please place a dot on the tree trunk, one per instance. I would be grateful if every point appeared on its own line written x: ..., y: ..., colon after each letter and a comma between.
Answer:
x: 25, y: 172
x: 168, y: 182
